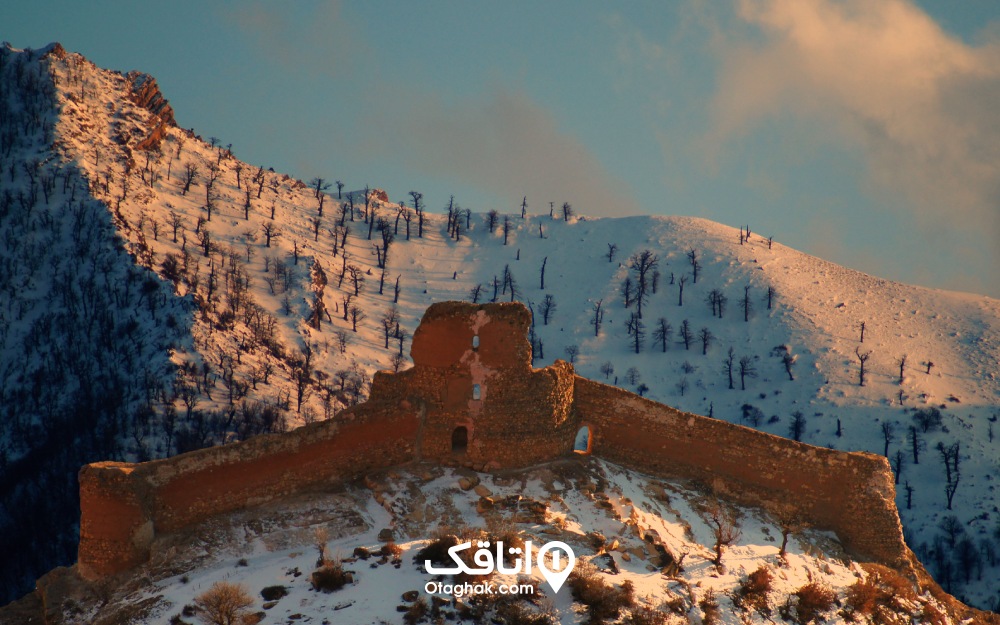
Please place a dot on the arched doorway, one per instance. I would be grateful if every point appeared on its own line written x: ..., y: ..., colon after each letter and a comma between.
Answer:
x: 459, y: 440
x: 584, y: 441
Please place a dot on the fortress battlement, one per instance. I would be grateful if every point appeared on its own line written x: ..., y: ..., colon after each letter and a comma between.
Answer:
x: 473, y: 399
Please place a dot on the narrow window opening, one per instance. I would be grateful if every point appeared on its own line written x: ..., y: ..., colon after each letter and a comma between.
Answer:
x: 477, y: 393
x: 460, y: 440
x: 583, y: 441
x: 475, y: 342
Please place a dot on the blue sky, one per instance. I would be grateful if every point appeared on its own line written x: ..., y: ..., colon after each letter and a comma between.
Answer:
x: 866, y: 132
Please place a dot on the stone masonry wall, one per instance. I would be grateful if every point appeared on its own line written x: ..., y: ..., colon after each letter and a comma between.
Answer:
x: 523, y: 416
x: 123, y: 506
x: 851, y: 494
x: 115, y: 530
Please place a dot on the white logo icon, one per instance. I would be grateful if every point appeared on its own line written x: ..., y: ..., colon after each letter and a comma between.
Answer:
x: 487, y: 562
x: 556, y: 577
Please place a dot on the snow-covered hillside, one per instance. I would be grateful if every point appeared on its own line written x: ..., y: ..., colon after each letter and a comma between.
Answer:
x: 646, y: 552
x: 258, y: 303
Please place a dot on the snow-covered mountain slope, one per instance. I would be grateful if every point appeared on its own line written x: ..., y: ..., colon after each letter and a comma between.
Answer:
x: 83, y: 330
x: 259, y: 303
x: 646, y: 551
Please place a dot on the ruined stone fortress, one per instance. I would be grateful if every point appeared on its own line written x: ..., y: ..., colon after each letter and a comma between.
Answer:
x: 473, y: 399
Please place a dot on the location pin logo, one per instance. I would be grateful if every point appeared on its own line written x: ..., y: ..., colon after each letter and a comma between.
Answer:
x: 563, y: 560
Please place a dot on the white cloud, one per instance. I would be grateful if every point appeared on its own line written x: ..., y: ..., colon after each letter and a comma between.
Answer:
x: 922, y: 106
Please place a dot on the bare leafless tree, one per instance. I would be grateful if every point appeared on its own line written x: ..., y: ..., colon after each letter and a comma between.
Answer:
x: 643, y: 263
x: 695, y: 264
x: 661, y: 333
x: 547, y: 307
x: 190, y: 173
x: 746, y: 303
x: 356, y: 315
x: 706, y: 337
x: 607, y: 369
x: 637, y: 331
x: 791, y: 522
x: 419, y: 210
x: 747, y: 370
x: 950, y: 456
x: 176, y: 223
x: 475, y: 293
x: 357, y: 277
x: 319, y: 186
x: 270, y: 231
x: 686, y: 334
x: 597, y: 317
x: 888, y: 436
x: 725, y: 528
x: 572, y: 351
x: 712, y: 299
x: 627, y: 291
x: 862, y: 359
x: 343, y: 340
x: 390, y: 323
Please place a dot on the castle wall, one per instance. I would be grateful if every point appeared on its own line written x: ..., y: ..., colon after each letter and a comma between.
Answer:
x: 523, y: 416
x: 852, y: 494
x: 123, y: 506
x: 115, y: 532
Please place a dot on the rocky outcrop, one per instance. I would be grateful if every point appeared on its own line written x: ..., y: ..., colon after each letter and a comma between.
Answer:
x: 55, y: 50
x: 146, y: 93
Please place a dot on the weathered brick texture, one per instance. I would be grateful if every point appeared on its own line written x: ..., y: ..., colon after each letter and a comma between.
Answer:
x: 472, y: 373
x: 123, y: 506
x: 851, y: 494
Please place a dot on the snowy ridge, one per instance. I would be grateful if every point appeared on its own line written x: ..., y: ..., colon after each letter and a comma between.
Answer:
x: 245, y: 354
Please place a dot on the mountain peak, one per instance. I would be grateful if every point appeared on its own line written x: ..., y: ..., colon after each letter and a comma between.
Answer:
x: 54, y: 49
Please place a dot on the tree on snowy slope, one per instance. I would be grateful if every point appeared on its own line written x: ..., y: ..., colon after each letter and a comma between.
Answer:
x: 636, y: 330
x: 547, y: 307
x: 643, y: 264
